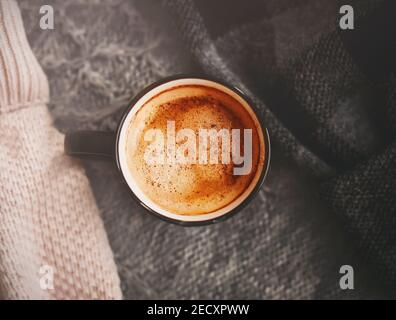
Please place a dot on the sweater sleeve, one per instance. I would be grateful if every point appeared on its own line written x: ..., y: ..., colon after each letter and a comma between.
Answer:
x: 52, y: 240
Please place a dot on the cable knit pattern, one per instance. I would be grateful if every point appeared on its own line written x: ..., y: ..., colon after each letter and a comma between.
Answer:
x: 48, y: 215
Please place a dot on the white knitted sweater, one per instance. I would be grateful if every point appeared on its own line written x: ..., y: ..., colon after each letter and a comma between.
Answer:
x: 50, y: 227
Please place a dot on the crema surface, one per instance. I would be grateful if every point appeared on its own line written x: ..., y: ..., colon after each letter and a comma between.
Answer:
x: 190, y: 188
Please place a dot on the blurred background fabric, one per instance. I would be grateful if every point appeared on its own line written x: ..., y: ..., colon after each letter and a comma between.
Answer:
x: 329, y: 198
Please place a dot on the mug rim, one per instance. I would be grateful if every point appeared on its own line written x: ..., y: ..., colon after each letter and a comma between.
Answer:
x: 265, y: 133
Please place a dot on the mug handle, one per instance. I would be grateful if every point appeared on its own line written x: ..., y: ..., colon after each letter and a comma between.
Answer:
x: 90, y: 144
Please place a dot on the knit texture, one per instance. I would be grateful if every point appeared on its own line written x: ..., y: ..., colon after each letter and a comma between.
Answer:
x: 332, y: 103
x: 287, y: 243
x: 48, y: 216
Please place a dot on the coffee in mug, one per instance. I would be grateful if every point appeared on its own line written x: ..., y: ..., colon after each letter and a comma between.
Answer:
x: 192, y: 150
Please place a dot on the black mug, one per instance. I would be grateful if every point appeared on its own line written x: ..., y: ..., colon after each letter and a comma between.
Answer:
x: 97, y: 144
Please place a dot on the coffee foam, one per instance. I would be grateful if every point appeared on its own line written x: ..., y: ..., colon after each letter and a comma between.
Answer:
x: 191, y: 192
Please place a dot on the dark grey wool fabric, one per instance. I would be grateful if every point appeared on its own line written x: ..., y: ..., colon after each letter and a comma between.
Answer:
x: 302, y: 98
x: 328, y: 98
